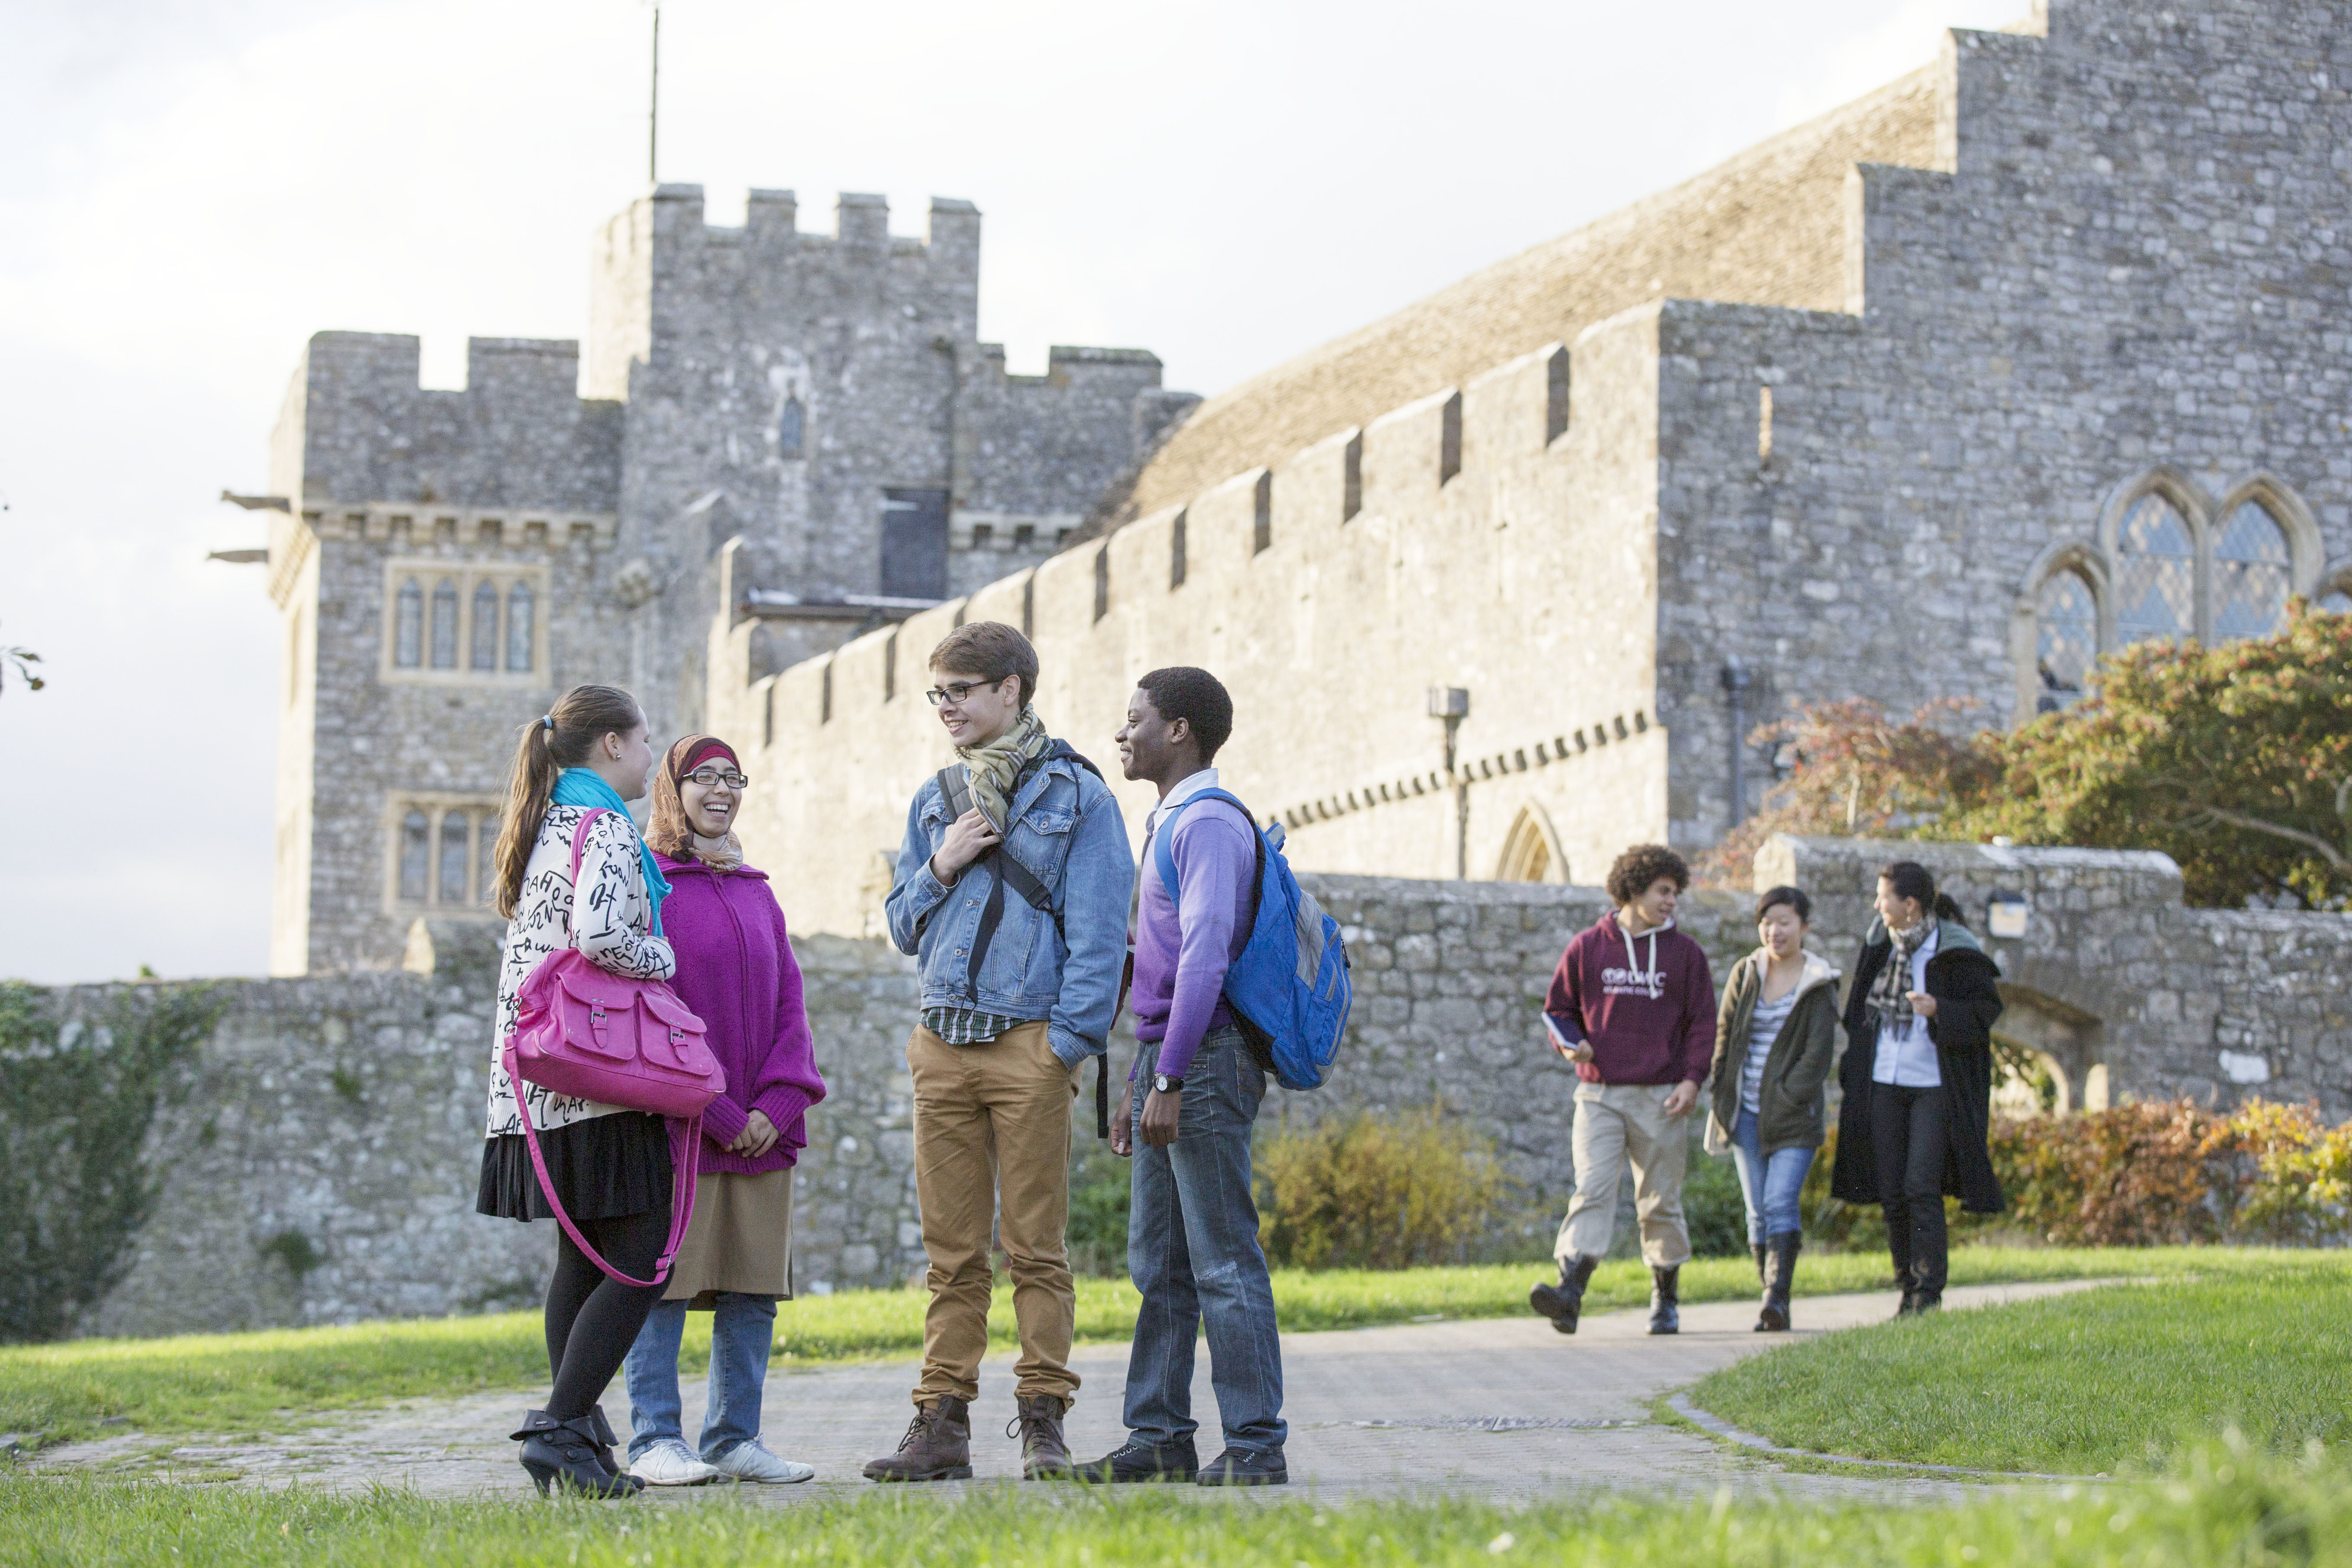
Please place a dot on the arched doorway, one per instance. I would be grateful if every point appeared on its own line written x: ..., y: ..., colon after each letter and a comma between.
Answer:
x: 1531, y: 851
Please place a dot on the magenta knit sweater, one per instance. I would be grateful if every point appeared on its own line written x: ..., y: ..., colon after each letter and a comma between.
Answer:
x: 736, y: 970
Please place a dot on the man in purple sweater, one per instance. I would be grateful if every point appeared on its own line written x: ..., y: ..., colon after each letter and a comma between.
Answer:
x: 1192, y: 1229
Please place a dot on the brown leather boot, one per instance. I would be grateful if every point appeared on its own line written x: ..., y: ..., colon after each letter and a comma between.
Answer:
x: 937, y: 1447
x: 1044, y: 1456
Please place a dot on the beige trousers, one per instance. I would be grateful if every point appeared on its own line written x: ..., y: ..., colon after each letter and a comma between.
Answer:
x: 992, y: 1143
x: 1619, y: 1124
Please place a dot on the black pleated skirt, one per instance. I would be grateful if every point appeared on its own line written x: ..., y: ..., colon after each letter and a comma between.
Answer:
x: 602, y: 1168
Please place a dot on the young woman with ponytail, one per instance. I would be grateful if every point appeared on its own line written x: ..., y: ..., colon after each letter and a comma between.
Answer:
x: 1917, y: 1077
x: 610, y: 1167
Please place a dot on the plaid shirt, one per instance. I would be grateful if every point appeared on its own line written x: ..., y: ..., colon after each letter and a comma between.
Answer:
x: 962, y: 1027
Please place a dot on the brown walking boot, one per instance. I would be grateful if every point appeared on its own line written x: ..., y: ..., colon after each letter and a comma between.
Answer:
x: 937, y: 1447
x: 1044, y: 1457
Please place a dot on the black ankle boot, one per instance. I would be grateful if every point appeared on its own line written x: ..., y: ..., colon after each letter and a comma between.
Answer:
x: 563, y: 1454
x: 1665, y: 1317
x: 1562, y: 1302
x: 1779, y: 1278
x: 606, y: 1441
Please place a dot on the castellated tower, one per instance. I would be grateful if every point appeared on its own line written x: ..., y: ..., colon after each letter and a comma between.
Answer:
x: 447, y: 562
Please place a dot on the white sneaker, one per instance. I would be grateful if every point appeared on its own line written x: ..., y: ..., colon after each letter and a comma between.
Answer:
x: 752, y: 1462
x: 669, y: 1463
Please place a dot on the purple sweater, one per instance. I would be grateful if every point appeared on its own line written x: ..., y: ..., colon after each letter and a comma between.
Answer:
x: 736, y: 970
x: 1182, y: 954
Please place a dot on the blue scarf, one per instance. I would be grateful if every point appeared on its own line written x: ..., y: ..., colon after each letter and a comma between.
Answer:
x: 583, y: 787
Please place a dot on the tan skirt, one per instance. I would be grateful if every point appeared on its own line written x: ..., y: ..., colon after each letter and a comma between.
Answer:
x: 741, y: 1239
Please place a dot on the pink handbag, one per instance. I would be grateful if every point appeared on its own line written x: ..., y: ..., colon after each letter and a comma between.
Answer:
x: 587, y: 1032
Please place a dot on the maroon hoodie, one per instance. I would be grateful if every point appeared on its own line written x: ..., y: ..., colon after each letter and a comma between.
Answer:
x: 1647, y: 1006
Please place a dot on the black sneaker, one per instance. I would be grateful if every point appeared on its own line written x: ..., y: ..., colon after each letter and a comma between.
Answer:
x: 1142, y: 1462
x: 1243, y: 1467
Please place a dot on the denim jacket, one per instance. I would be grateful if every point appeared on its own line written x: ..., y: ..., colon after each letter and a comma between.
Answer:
x: 1068, y: 832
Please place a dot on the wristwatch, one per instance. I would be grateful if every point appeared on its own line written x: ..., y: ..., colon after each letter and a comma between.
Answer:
x: 1166, y: 1085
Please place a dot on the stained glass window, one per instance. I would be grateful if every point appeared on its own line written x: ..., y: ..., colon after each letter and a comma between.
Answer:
x: 2066, y: 639
x: 445, y: 625
x: 415, y: 856
x: 2156, y: 573
x: 519, y: 627
x: 485, y: 637
x: 408, y: 627
x: 2252, y: 575
x: 455, y: 857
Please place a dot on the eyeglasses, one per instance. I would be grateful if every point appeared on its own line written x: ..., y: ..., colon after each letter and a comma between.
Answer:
x: 712, y: 778
x: 955, y: 691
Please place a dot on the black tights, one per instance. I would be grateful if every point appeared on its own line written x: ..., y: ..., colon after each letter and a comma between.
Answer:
x: 1907, y: 1141
x: 593, y: 1318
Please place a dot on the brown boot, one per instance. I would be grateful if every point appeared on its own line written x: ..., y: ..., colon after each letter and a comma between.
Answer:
x: 937, y: 1447
x: 1044, y: 1456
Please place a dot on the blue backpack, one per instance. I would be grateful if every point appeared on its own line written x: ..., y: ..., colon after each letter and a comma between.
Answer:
x: 1290, y: 987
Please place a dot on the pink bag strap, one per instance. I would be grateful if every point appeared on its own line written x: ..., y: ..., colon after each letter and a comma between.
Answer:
x: 683, y: 1167
x: 579, y: 840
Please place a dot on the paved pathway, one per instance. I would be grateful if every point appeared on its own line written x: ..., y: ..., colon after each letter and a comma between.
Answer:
x: 1502, y: 1409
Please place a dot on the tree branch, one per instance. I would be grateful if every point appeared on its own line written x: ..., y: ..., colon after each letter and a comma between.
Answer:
x: 2336, y: 857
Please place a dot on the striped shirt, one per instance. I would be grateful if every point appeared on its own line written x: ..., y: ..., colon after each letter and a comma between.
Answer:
x: 1762, y: 1032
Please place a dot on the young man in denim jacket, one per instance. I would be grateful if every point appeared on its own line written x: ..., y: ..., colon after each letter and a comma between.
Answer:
x: 1017, y: 905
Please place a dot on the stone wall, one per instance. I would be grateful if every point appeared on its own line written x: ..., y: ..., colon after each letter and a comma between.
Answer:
x: 336, y: 1122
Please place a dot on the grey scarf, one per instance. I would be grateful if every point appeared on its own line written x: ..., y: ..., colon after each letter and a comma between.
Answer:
x: 1890, y: 998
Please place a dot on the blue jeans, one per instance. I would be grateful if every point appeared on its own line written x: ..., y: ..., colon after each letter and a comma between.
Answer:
x: 1769, y: 1185
x: 1192, y: 1252
x: 742, y: 1331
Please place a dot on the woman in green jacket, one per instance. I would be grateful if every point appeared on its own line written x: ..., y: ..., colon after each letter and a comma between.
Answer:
x: 1775, y: 1037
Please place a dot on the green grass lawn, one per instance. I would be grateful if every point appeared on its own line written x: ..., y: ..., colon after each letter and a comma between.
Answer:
x: 271, y: 1378
x: 2081, y: 1384
x: 2221, y: 1508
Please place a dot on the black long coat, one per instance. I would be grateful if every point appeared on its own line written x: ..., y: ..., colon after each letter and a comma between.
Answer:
x: 1964, y: 981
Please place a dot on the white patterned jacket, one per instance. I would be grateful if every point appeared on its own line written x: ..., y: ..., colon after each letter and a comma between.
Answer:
x: 615, y: 932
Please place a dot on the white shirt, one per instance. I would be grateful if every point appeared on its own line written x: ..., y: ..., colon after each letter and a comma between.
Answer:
x: 1186, y: 788
x: 1909, y: 1059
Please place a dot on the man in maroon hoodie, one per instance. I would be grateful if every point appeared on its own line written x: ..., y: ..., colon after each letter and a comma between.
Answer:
x: 1632, y: 1005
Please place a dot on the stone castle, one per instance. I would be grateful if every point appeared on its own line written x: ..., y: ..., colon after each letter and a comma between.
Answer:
x: 2031, y: 353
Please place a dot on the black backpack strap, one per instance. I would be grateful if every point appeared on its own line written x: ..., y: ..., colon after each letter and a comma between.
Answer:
x: 1102, y: 1095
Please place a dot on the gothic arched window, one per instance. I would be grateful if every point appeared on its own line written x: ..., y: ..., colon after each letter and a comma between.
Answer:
x: 445, y: 625
x: 484, y: 640
x: 408, y: 627
x: 456, y: 854
x: 2066, y: 639
x: 519, y: 627
x: 2252, y: 574
x: 792, y: 430
x: 2156, y: 573
x: 415, y: 857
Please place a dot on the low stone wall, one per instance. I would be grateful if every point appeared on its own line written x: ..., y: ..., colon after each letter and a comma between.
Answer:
x: 318, y: 1162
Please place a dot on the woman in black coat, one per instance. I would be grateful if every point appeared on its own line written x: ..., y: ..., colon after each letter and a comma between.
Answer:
x: 1917, y: 1077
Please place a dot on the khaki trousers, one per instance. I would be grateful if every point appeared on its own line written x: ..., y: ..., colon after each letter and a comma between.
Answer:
x: 992, y: 1143
x: 1619, y: 1124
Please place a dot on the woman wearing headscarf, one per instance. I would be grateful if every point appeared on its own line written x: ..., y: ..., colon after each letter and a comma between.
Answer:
x: 610, y: 1167
x: 1917, y: 1077
x: 736, y: 971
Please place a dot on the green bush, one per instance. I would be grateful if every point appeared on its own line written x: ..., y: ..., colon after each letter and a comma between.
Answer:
x: 1712, y: 1207
x: 76, y: 1104
x: 1368, y: 1190
x: 1098, y: 1232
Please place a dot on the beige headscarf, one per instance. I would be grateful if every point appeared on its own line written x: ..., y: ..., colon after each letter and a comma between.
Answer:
x: 669, y: 830
x: 996, y: 767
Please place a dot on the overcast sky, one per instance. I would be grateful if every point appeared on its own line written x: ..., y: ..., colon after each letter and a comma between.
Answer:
x: 189, y: 190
